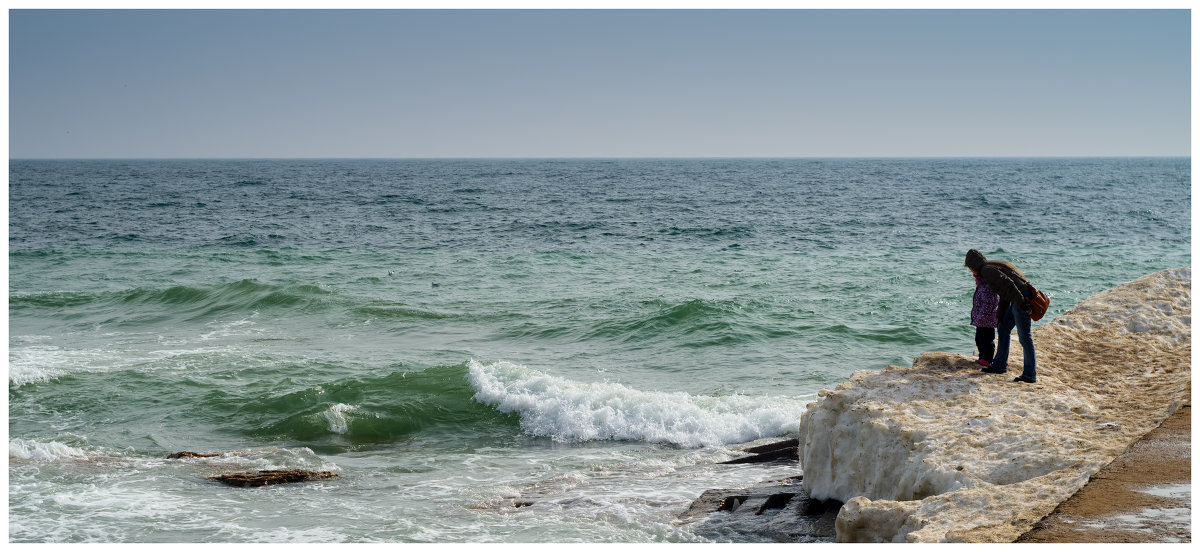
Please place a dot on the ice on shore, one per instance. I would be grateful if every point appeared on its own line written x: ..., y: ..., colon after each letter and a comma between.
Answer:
x: 941, y: 452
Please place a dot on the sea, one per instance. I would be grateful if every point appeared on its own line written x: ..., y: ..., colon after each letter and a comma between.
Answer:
x: 497, y: 350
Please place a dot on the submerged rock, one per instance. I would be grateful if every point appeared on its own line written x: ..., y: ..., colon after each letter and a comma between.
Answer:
x: 782, y: 451
x: 779, y: 511
x: 271, y: 477
x: 187, y: 454
x: 941, y: 452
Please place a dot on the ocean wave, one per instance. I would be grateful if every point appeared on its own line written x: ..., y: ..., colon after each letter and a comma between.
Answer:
x: 40, y: 451
x: 701, y: 232
x: 240, y: 295
x: 42, y: 363
x: 903, y: 335
x: 193, y: 301
x: 39, y: 252
x: 692, y: 324
x: 401, y: 311
x: 687, y: 317
x: 336, y: 415
x: 35, y: 360
x: 367, y: 410
x: 571, y: 411
x: 51, y: 299
x: 251, y: 240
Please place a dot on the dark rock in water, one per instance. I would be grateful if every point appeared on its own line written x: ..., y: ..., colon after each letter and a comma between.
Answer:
x: 779, y: 511
x: 710, y: 501
x: 783, y: 451
x: 186, y: 454
x: 772, y: 447
x: 271, y: 477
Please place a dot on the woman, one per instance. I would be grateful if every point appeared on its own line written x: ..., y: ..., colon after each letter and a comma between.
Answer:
x: 1013, y: 288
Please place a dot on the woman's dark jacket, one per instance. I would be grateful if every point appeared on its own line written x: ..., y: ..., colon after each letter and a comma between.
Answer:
x: 1006, y: 279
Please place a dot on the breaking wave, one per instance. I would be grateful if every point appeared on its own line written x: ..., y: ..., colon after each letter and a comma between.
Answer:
x: 39, y: 451
x: 571, y: 411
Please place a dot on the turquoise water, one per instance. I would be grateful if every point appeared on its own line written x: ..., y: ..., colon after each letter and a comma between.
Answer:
x: 456, y: 337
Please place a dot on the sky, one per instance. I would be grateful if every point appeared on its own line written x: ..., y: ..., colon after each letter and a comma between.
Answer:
x: 598, y: 83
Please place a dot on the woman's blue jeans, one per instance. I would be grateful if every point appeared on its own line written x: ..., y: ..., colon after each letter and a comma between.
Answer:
x: 1015, y: 317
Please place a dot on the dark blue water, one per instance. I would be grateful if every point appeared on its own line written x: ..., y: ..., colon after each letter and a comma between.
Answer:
x: 601, y: 205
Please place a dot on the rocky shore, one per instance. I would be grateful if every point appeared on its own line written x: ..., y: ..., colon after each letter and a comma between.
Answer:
x: 940, y: 452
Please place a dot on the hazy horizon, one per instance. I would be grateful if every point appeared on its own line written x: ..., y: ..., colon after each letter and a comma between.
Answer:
x: 598, y: 84
x: 596, y: 158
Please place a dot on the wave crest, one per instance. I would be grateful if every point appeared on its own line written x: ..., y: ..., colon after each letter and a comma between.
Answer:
x: 570, y: 411
x: 37, y: 451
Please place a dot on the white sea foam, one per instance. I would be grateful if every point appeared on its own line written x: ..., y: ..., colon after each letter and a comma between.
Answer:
x: 567, y: 410
x: 37, y: 363
x: 38, y: 451
x: 229, y: 328
x: 40, y: 363
x: 336, y: 416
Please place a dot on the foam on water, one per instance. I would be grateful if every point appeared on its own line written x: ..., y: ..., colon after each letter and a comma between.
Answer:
x: 571, y: 411
x: 43, y: 362
x: 38, y: 451
x: 336, y: 415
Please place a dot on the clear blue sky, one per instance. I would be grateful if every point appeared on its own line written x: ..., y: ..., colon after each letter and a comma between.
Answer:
x: 598, y: 83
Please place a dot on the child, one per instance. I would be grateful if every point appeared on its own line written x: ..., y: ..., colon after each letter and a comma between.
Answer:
x: 984, y: 318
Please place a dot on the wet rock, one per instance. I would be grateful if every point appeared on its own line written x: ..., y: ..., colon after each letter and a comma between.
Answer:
x: 187, y: 454
x: 710, y: 501
x: 271, y: 477
x: 780, y: 511
x: 771, y: 447
x: 782, y: 451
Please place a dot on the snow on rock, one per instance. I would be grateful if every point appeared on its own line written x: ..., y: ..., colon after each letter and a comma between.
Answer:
x: 941, y: 452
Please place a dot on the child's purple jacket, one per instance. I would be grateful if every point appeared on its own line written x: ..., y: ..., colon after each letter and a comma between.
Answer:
x: 984, y: 305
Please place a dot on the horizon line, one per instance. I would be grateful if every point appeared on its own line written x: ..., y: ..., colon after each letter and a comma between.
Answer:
x: 551, y: 158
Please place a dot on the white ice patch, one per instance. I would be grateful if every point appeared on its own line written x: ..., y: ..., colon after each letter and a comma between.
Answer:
x: 571, y: 411
x: 1150, y: 521
x: 1181, y: 491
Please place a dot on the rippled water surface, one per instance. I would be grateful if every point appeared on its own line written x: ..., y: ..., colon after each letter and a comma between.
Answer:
x: 455, y: 337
